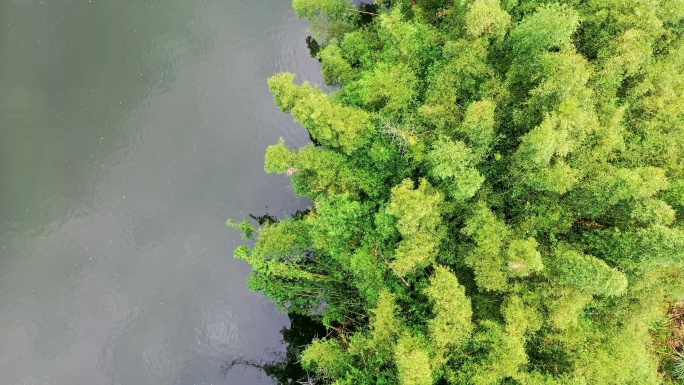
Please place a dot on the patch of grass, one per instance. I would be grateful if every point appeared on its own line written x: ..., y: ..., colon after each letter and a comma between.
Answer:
x: 678, y: 365
x: 667, y: 336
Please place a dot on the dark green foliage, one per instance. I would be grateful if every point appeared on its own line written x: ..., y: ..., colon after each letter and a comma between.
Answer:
x: 497, y: 188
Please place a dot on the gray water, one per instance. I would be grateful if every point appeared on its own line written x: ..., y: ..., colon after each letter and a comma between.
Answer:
x: 130, y: 130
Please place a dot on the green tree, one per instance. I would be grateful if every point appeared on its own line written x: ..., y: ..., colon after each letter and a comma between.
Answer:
x: 497, y: 191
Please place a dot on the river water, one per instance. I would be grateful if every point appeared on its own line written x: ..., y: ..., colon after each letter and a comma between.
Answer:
x: 130, y: 130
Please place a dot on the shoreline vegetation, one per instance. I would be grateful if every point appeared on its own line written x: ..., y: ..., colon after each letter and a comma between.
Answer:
x: 498, y: 195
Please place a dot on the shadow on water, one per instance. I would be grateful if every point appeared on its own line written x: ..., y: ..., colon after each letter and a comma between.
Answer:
x: 267, y: 219
x: 313, y: 46
x: 285, y: 369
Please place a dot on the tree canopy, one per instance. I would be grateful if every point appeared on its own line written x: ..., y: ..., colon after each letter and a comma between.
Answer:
x: 497, y: 192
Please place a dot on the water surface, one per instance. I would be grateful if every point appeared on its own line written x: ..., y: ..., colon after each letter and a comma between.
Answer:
x: 129, y: 131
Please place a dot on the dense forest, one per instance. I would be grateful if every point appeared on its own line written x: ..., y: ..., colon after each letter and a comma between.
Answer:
x: 497, y: 193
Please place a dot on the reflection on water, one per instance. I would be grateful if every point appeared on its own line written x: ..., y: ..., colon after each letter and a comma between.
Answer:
x: 285, y: 368
x: 129, y: 131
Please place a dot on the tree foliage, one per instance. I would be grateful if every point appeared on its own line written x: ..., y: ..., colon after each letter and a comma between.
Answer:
x: 497, y: 191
